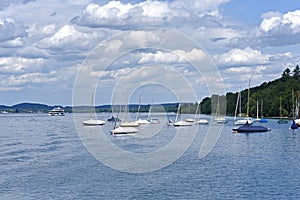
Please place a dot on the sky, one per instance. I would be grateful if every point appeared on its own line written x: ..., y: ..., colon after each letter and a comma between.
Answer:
x: 62, y: 52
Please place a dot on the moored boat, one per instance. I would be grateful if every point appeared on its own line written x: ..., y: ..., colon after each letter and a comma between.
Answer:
x: 124, y: 130
x: 182, y: 123
x: 58, y: 111
x: 93, y: 122
x: 248, y: 128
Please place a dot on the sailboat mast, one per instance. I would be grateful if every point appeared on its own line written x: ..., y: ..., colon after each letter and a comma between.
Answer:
x: 298, y: 97
x: 197, y: 108
x: 178, y: 110
x: 248, y: 102
x: 139, y: 107
x: 91, y: 109
x: 256, y: 108
x: 237, y: 102
x: 293, y: 104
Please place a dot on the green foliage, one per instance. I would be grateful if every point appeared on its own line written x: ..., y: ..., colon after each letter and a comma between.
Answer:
x: 270, y: 94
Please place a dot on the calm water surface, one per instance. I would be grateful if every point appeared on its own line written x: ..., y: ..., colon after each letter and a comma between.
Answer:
x: 42, y: 157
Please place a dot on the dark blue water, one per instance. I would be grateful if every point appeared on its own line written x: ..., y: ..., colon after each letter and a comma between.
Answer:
x: 42, y: 157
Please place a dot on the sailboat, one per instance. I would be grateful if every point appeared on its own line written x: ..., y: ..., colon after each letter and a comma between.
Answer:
x: 138, y: 119
x: 262, y: 119
x: 244, y: 120
x: 152, y: 120
x: 248, y: 128
x: 113, y: 118
x: 219, y: 119
x: 281, y: 120
x: 91, y: 121
x: 190, y: 119
x: 125, y: 127
x: 200, y: 121
x: 180, y: 122
x: 126, y: 123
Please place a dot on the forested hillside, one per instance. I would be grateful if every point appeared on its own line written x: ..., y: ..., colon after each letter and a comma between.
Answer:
x: 267, y: 93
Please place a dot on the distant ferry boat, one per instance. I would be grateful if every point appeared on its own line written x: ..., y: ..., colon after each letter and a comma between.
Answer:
x: 57, y: 112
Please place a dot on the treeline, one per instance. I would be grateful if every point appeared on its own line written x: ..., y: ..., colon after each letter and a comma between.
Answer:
x: 268, y: 94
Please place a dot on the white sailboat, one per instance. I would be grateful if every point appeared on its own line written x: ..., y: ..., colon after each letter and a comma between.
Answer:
x: 219, y: 119
x: 200, y: 121
x: 180, y: 122
x: 139, y: 120
x: 239, y: 102
x: 190, y: 119
x: 123, y: 130
x: 125, y: 127
x: 262, y: 119
x: 127, y: 123
x: 91, y: 121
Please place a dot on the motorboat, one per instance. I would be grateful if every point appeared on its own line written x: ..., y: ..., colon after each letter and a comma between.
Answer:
x: 57, y: 111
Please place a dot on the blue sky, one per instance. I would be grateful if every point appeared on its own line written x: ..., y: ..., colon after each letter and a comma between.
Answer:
x: 44, y: 46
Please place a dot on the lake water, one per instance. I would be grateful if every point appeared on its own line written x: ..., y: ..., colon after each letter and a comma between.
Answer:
x: 44, y: 157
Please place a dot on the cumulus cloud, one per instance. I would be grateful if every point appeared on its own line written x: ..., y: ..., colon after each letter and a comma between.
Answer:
x: 150, y: 13
x: 68, y: 37
x: 177, y: 56
x: 281, y: 23
x: 10, y: 29
x: 16, y: 65
x: 247, y: 56
x: 277, y: 29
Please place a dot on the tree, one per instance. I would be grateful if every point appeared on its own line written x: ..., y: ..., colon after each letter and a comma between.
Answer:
x: 296, y: 72
x: 286, y: 74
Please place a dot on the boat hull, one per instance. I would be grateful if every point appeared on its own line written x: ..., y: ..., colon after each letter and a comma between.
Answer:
x: 124, y: 130
x: 182, y: 123
x: 93, y: 122
x: 247, y: 128
x: 129, y: 124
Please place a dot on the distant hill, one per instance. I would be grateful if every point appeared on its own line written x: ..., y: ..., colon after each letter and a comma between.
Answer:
x: 38, y: 108
x: 26, y: 108
x: 31, y: 106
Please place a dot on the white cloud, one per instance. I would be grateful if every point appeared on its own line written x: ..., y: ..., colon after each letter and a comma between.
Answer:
x: 13, y: 65
x: 11, y: 29
x: 68, y: 37
x: 147, y: 13
x: 245, y: 56
x: 282, y: 23
x: 177, y: 56
x: 159, y: 57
